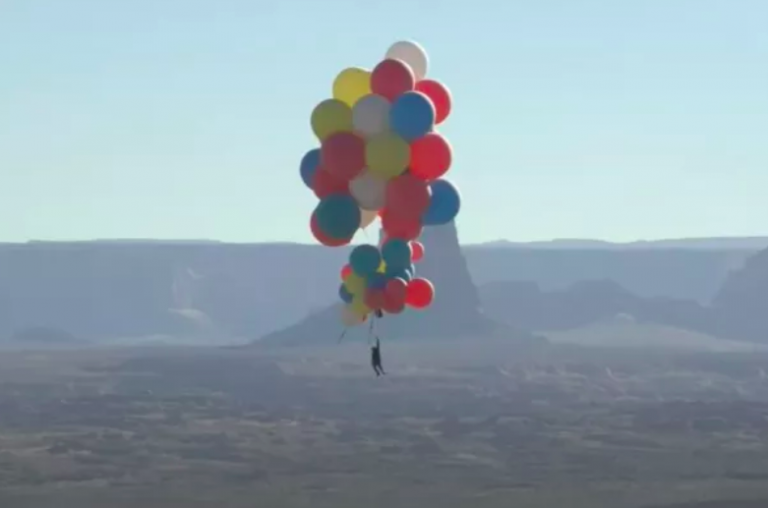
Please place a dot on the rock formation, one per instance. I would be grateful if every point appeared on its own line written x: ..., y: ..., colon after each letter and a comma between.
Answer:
x: 454, y: 313
x: 99, y: 291
x: 739, y: 311
x: 741, y: 307
x: 525, y: 304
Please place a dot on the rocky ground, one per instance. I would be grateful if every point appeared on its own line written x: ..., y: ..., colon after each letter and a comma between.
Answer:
x: 454, y: 426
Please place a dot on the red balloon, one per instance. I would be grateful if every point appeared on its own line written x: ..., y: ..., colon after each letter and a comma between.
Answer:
x: 418, y: 251
x: 324, y: 184
x: 407, y: 195
x: 392, y: 306
x: 420, y: 293
x: 431, y: 156
x: 343, y: 155
x: 396, y: 289
x: 323, y: 238
x: 399, y: 226
x: 392, y: 78
x: 345, y: 271
x: 375, y: 299
x: 440, y: 95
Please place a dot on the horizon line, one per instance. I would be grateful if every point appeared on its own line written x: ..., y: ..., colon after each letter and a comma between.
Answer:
x: 497, y: 242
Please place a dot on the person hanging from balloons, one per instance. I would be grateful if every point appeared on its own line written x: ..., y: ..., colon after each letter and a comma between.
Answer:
x: 379, y: 281
x: 378, y: 368
x: 376, y: 359
x: 381, y: 157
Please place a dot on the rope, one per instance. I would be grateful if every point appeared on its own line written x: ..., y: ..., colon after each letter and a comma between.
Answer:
x: 370, y: 329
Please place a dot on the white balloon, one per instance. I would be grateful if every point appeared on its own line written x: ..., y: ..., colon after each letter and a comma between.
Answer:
x: 349, y: 317
x: 367, y: 217
x: 413, y: 54
x: 370, y: 115
x: 368, y: 190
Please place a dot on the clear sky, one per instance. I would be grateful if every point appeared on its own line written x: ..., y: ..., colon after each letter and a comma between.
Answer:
x: 610, y: 119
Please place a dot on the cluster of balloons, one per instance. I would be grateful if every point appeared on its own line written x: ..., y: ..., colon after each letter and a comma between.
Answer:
x: 383, y: 278
x: 380, y: 156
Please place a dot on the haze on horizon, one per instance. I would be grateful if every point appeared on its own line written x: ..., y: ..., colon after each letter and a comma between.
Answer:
x: 590, y: 119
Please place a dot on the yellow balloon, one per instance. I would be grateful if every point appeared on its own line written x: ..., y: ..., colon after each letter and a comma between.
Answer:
x: 350, y: 317
x: 359, y: 307
x: 382, y: 267
x: 351, y: 85
x: 355, y: 284
x: 331, y: 116
x: 387, y: 155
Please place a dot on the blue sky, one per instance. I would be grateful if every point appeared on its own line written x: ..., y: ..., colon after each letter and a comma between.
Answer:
x: 608, y: 119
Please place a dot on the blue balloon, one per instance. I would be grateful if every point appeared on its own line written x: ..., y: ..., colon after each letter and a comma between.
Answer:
x: 403, y: 274
x: 392, y: 271
x: 344, y: 294
x: 412, y: 115
x: 397, y: 253
x: 407, y: 273
x: 444, y: 205
x: 309, y: 164
x: 376, y: 281
x: 365, y: 260
x: 338, y: 216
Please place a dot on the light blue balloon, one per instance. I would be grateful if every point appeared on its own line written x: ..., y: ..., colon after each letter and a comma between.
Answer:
x: 412, y: 115
x: 376, y: 281
x: 365, y: 260
x: 338, y: 216
x: 309, y: 165
x: 444, y: 204
x: 397, y: 253
x: 344, y: 294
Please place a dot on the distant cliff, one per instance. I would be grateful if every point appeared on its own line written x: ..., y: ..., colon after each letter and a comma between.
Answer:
x: 102, y: 290
x: 456, y: 311
x: 741, y: 306
x: 526, y: 305
x: 690, y: 274
x: 739, y: 310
